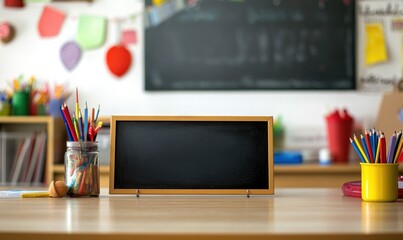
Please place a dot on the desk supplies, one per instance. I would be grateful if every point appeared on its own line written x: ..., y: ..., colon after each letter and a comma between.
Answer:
x: 191, y: 155
x: 380, y: 172
x: 57, y: 189
x: 82, y: 168
x: 79, y: 129
x: 82, y: 157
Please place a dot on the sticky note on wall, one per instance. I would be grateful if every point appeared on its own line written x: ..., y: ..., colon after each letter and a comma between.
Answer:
x: 375, y: 45
x: 91, y: 31
x: 50, y: 22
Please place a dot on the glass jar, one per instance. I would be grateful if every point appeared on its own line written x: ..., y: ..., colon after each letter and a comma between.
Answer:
x: 81, y: 166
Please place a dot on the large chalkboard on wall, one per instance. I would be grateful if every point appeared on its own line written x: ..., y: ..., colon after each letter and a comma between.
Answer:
x: 253, y: 44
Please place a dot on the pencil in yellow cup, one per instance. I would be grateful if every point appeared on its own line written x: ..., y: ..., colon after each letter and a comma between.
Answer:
x: 360, y: 148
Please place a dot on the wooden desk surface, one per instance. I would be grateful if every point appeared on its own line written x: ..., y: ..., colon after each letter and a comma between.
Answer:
x: 289, y: 214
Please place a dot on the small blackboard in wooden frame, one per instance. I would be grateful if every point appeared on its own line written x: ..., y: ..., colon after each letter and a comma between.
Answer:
x: 191, y: 155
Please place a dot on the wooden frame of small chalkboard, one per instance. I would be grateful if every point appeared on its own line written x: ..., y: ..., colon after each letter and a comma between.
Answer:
x: 191, y: 155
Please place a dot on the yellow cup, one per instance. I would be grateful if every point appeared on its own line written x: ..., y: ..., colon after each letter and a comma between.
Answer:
x: 379, y: 182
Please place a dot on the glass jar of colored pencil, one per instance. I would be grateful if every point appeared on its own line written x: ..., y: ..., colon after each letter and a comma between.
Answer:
x: 82, y: 169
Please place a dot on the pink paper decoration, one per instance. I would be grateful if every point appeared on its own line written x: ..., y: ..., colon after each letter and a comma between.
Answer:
x: 50, y: 22
x: 118, y: 59
x: 129, y: 37
x: 70, y: 54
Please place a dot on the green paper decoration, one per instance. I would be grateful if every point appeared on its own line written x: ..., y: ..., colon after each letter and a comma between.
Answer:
x: 91, y: 31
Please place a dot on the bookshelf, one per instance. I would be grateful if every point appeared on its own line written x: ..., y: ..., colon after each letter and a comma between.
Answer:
x: 23, y: 127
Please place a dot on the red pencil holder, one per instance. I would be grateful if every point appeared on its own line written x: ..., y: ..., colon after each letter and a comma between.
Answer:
x: 339, y: 129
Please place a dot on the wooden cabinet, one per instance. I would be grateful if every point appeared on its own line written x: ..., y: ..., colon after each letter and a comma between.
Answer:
x: 24, y: 126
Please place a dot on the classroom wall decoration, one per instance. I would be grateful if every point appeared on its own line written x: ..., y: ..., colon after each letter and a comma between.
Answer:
x: 70, y: 54
x: 87, y: 32
x: 50, y: 22
x: 118, y: 59
x: 247, y: 45
x: 7, y: 32
x: 129, y: 37
x: 91, y: 31
x: 380, y: 42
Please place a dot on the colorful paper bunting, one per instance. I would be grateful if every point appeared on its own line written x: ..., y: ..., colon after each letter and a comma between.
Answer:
x: 118, y: 59
x: 50, y: 22
x: 70, y: 54
x: 91, y: 31
x: 129, y: 37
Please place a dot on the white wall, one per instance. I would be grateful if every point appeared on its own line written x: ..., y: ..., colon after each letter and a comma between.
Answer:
x: 29, y: 54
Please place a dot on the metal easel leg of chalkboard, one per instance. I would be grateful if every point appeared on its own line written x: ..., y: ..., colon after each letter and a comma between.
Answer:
x: 138, y: 193
x: 247, y: 193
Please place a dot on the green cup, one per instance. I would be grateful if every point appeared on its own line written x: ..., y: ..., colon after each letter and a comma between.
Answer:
x: 20, y: 103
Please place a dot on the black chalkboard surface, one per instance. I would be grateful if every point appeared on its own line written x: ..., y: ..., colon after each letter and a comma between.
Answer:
x: 203, y: 155
x: 253, y: 44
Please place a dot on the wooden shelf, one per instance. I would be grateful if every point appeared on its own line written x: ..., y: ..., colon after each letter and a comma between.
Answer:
x: 317, y: 176
x: 285, y: 176
x: 317, y: 168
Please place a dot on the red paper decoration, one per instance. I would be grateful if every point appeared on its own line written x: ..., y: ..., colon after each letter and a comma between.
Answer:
x: 50, y: 22
x: 118, y: 59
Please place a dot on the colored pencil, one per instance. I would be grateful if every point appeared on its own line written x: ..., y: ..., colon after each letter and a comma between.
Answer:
x: 373, y: 142
x: 382, y: 149
x: 76, y: 128
x: 77, y: 104
x: 396, y: 151
x: 65, y: 110
x: 365, y: 148
x: 65, y: 124
x: 391, y: 148
x: 81, y: 125
x: 369, y: 146
x: 85, y: 121
x: 377, y: 152
x: 357, y: 150
x: 96, y: 117
x: 360, y: 148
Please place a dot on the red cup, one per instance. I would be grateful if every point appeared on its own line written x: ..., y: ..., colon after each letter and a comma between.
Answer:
x: 339, y: 129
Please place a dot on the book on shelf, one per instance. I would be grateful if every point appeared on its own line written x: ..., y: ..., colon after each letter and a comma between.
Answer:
x: 28, y: 162
x: 40, y: 161
x: 21, y: 158
x: 37, y: 153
